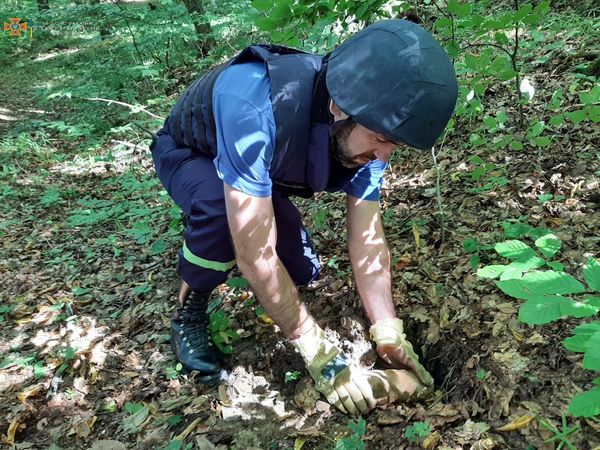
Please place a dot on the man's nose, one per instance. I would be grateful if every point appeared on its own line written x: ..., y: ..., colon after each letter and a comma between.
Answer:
x: 383, y: 152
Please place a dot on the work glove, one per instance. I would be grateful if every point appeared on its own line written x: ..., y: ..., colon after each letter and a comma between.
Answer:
x: 395, y: 350
x: 396, y: 385
x: 344, y: 385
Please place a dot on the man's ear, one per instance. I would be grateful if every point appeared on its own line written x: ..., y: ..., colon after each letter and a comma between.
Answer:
x: 338, y: 114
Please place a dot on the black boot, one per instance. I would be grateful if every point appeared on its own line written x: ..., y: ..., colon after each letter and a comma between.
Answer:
x: 191, y: 339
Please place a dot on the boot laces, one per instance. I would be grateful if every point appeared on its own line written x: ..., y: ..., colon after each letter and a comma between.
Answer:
x: 195, y: 323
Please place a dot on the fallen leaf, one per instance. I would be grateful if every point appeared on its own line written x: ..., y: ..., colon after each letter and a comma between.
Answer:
x: 431, y: 441
x: 108, y: 445
x: 204, y: 444
x: 223, y: 397
x: 30, y: 392
x: 516, y: 424
x: 185, y: 433
x: 484, y: 444
x: 299, y: 443
x: 9, y: 439
x: 416, y: 234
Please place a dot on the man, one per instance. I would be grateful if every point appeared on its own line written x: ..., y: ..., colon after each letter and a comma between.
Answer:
x: 273, y: 123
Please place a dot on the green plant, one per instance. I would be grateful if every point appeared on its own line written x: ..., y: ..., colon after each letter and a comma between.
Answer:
x: 482, y: 374
x: 562, y: 436
x: 222, y: 334
x: 417, y: 431
x: 551, y: 295
x: 173, y: 372
x: 354, y: 441
x: 292, y: 376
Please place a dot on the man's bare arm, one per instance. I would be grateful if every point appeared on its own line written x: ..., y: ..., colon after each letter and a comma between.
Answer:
x: 254, y: 232
x: 370, y: 258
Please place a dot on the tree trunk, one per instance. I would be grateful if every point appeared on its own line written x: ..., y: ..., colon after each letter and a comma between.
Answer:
x: 43, y: 5
x: 101, y: 18
x: 205, y: 41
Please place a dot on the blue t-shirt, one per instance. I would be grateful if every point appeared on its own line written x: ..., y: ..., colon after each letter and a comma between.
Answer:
x: 246, y: 135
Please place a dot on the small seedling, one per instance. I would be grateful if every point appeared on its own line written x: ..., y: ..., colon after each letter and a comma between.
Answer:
x: 292, y: 376
x: 562, y: 437
x: 481, y: 374
x: 417, y: 431
x: 221, y: 331
x: 173, y: 372
x: 354, y: 441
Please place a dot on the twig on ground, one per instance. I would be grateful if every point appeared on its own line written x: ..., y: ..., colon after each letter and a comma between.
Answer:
x: 132, y: 107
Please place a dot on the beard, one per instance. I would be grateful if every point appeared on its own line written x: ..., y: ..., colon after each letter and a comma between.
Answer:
x: 340, y: 149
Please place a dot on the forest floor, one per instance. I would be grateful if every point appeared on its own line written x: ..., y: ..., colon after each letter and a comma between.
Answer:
x: 88, y: 283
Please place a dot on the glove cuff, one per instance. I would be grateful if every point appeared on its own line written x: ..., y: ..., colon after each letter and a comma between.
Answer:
x: 315, y: 349
x: 387, y: 331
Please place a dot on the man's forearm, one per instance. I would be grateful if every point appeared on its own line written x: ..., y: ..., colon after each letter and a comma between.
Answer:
x: 277, y: 294
x: 370, y: 259
x: 371, y: 268
x: 254, y: 232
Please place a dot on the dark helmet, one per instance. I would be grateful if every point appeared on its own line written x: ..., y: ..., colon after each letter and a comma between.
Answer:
x: 395, y: 79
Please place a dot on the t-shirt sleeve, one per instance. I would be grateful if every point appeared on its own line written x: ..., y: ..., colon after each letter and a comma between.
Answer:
x: 245, y: 146
x: 366, y: 184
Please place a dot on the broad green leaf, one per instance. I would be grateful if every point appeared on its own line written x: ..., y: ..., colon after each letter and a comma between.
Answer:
x: 514, y: 249
x: 472, y: 61
x: 557, y: 120
x: 555, y: 265
x: 501, y: 117
x: 542, y: 141
x: 262, y: 5
x: 39, y: 370
x: 490, y: 122
x: 586, y: 98
x: 237, y: 282
x: 532, y: 262
x: 132, y: 408
x: 470, y: 245
x: 443, y: 22
x: 543, y: 198
x: 281, y: 14
x: 511, y: 273
x: 537, y: 128
x: 78, y: 291
x: 491, y: 271
x: 579, y: 310
x: 265, y: 24
x: 549, y: 245
x: 586, y: 404
x: 453, y: 6
x: 501, y: 38
x: 523, y: 11
x: 591, y: 358
x: 534, y: 284
x: 516, y: 145
x: 591, y: 274
x: 515, y: 230
x: 581, y: 335
x: 576, y: 116
x: 594, y: 301
x: 551, y: 282
x: 159, y: 246
x: 542, y: 310
x: 474, y: 261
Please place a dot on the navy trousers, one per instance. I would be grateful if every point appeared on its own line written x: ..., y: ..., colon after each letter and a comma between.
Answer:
x: 208, y: 255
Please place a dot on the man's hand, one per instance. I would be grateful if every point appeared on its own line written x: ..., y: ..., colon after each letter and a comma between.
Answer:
x: 395, y: 350
x: 345, y: 386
